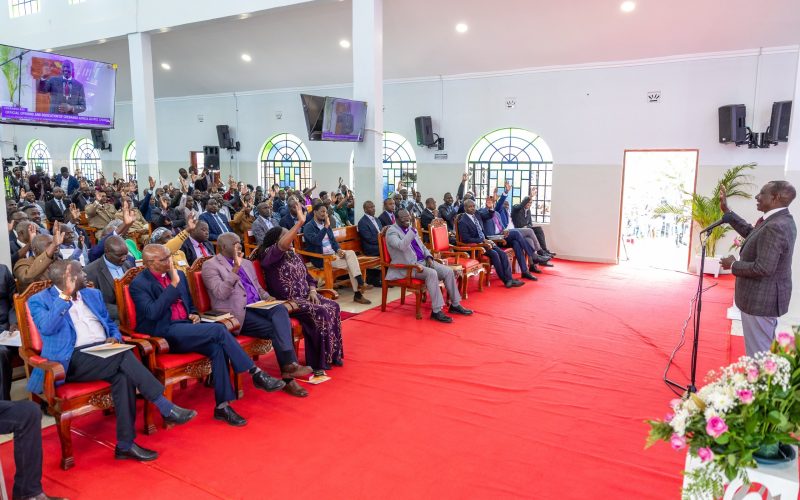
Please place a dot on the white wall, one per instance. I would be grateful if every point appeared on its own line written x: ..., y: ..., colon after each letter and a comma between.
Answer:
x: 588, y: 117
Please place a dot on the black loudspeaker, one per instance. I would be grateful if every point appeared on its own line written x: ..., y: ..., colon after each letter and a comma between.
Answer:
x: 97, y: 139
x: 424, y: 131
x: 778, y: 130
x: 211, y: 157
x: 224, y: 137
x: 731, y: 124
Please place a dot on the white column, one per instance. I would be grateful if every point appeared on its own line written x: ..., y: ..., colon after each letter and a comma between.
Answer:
x: 144, y: 107
x: 6, y: 145
x: 368, y: 86
x: 793, y: 175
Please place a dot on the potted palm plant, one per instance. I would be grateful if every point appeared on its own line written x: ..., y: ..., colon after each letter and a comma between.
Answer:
x: 11, y: 72
x: 704, y: 210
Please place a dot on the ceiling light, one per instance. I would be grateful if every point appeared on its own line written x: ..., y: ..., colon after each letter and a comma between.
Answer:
x: 48, y: 50
x: 166, y: 66
x: 345, y: 44
x: 102, y: 40
x: 462, y: 27
x: 245, y: 16
x: 164, y: 30
x: 627, y: 6
x: 246, y: 58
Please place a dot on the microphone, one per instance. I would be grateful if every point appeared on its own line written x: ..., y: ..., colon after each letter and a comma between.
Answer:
x: 724, y: 220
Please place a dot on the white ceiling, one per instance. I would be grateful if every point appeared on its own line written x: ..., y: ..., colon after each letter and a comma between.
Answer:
x: 298, y: 46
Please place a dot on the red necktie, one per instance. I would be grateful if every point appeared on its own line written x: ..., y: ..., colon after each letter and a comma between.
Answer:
x: 759, y: 221
x: 391, y: 216
x: 203, y: 250
x: 66, y: 88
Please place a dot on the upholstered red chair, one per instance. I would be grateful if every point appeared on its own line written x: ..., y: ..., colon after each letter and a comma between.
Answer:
x: 64, y: 400
x: 170, y: 369
x: 407, y: 282
x: 441, y: 249
x: 477, y: 250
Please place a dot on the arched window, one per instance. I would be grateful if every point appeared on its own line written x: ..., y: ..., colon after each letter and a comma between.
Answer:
x: 129, y: 161
x: 518, y: 156
x: 285, y: 160
x: 399, y: 163
x: 85, y: 160
x: 38, y: 156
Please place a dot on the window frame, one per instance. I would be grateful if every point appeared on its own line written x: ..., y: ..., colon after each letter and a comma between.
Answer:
x: 294, y: 156
x: 75, y: 163
x: 399, y: 160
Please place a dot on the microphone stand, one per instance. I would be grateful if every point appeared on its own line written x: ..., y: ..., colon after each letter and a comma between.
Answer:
x: 698, y: 307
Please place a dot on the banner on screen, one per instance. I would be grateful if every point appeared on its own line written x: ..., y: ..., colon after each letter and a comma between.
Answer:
x: 42, y: 88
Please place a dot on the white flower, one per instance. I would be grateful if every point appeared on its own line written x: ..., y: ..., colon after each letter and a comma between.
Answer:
x: 679, y: 421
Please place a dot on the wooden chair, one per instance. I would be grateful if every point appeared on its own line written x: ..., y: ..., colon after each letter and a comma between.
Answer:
x: 90, y: 231
x: 250, y: 243
x: 472, y: 249
x: 407, y: 282
x: 65, y: 400
x: 168, y: 368
x: 348, y: 239
x: 455, y: 256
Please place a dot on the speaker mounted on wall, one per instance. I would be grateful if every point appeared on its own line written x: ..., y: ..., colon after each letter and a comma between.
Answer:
x: 732, y: 129
x: 778, y: 130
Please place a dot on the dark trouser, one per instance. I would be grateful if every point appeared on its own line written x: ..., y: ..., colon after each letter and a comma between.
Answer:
x: 5, y: 371
x: 521, y: 249
x: 125, y: 373
x: 273, y: 324
x: 540, y: 236
x: 24, y: 419
x: 500, y: 262
x: 215, y: 342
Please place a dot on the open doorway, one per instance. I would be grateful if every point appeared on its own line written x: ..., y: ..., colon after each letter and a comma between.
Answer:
x: 653, y: 178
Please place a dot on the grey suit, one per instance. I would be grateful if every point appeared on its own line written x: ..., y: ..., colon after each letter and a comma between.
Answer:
x: 763, y: 275
x: 97, y: 272
x: 401, y: 252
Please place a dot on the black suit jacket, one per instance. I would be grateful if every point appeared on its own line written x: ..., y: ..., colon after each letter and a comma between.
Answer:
x: 80, y: 201
x: 385, y: 219
x: 188, y: 250
x: 369, y: 236
x: 7, y: 289
x: 98, y: 273
x: 53, y: 212
x: 426, y: 218
x: 154, y: 302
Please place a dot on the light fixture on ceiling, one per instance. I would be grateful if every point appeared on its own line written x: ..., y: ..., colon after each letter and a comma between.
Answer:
x: 245, y: 15
x: 166, y: 66
x: 462, y: 27
x: 627, y: 6
x: 102, y: 40
x: 48, y: 50
x: 246, y: 58
x: 164, y: 30
x: 345, y: 44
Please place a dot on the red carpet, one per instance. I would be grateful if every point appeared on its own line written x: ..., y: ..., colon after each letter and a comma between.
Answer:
x: 541, y: 394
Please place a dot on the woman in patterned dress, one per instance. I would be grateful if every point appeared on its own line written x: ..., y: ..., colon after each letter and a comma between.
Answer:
x: 287, y: 279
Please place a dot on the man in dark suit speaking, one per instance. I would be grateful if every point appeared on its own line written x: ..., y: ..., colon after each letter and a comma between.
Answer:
x: 764, y: 269
x: 66, y: 94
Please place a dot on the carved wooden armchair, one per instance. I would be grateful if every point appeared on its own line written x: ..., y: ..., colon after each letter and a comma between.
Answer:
x: 472, y: 249
x: 455, y: 256
x: 407, y: 282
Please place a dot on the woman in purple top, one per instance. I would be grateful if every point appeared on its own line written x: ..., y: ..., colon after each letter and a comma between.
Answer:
x: 287, y: 279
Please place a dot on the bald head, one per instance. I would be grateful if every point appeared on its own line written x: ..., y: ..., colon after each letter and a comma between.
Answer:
x: 40, y: 243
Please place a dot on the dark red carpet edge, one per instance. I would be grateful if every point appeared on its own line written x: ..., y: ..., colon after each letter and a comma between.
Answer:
x: 541, y: 394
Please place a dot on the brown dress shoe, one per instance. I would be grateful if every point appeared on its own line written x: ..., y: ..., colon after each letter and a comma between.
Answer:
x: 294, y: 389
x: 295, y: 370
x: 361, y: 299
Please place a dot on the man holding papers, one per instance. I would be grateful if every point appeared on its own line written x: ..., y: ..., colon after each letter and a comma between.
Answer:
x: 71, y: 319
x: 231, y: 282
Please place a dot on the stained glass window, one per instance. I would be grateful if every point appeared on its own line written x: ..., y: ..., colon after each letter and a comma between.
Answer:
x: 38, y: 156
x: 85, y: 160
x: 285, y: 160
x: 17, y: 8
x: 399, y: 163
x: 129, y: 161
x: 518, y: 156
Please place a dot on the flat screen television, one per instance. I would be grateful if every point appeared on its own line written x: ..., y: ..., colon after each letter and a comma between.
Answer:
x: 343, y: 120
x: 42, y: 88
x: 313, y: 106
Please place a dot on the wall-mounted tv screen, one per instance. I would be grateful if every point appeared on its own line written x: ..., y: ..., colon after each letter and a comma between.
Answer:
x: 42, y: 88
x: 313, y: 106
x: 343, y: 120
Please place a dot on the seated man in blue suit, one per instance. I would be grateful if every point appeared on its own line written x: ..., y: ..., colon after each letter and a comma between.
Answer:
x: 368, y: 229
x: 387, y: 218
x: 470, y: 230
x: 290, y: 218
x: 493, y: 226
x: 69, y: 318
x: 217, y: 222
x: 164, y: 308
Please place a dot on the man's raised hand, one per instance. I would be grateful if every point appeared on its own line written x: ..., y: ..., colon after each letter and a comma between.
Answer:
x: 723, y: 200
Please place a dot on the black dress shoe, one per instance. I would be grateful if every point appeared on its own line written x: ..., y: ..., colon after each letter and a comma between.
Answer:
x: 179, y: 416
x: 441, y: 316
x: 41, y: 496
x: 535, y: 269
x: 459, y: 309
x: 267, y: 383
x: 229, y: 416
x: 337, y: 362
x: 529, y: 276
x: 508, y: 284
x: 135, y: 453
x: 516, y: 283
x: 540, y: 259
x: 546, y: 264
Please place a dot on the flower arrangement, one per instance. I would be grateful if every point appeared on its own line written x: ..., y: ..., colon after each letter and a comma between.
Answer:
x: 737, y: 244
x: 746, y: 410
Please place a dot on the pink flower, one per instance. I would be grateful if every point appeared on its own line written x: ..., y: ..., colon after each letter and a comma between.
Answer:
x: 677, y: 442
x: 668, y: 418
x: 675, y: 403
x: 716, y: 427
x: 705, y: 454
x: 752, y: 374
x: 745, y: 396
x: 785, y: 340
x: 770, y: 366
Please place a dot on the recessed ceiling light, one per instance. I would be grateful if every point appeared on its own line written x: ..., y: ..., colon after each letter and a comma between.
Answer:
x: 164, y: 30
x: 102, y: 40
x: 245, y: 16
x: 246, y: 58
x: 166, y: 66
x: 345, y: 44
x: 462, y: 27
x: 627, y: 6
x: 48, y: 50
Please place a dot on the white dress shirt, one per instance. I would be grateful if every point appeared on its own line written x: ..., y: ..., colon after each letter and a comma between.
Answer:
x: 88, y: 329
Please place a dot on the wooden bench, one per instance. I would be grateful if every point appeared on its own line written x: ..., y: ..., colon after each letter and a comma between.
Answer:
x: 348, y: 239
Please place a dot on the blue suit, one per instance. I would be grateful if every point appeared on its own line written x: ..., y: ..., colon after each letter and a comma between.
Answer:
x: 51, y: 316
x: 468, y: 232
x: 214, y: 229
x: 369, y: 235
x: 514, y: 238
x: 72, y: 183
x: 313, y: 237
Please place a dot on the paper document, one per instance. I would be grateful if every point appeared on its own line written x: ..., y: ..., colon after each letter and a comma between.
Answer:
x: 107, y: 350
x: 11, y: 339
x: 266, y: 304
